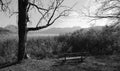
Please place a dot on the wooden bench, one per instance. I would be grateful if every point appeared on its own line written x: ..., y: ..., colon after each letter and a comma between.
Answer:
x: 72, y: 57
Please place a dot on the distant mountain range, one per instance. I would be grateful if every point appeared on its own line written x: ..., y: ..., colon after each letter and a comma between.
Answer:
x: 13, y: 29
x: 4, y: 31
x: 57, y: 30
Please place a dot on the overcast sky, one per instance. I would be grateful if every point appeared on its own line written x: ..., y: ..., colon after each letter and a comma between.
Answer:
x: 74, y: 19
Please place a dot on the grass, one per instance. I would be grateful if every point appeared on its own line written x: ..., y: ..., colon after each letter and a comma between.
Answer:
x: 97, y: 63
x: 93, y: 64
x: 101, y: 63
x: 31, y: 65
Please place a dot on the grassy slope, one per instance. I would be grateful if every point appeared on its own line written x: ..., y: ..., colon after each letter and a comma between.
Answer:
x: 104, y: 63
x: 111, y: 63
x: 31, y: 65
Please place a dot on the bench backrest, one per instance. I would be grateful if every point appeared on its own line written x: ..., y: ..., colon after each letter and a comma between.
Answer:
x: 73, y: 54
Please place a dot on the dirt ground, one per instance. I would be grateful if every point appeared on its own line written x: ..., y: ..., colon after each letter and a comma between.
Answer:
x: 100, y: 63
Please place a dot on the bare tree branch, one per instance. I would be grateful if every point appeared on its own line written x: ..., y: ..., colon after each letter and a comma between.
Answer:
x: 37, y: 6
x: 37, y: 28
x: 100, y: 17
x: 108, y: 9
x: 13, y: 13
x: 50, y: 13
x: 43, y: 17
x: 5, y: 5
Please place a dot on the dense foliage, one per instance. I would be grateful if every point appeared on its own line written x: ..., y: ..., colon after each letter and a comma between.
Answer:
x: 95, y: 42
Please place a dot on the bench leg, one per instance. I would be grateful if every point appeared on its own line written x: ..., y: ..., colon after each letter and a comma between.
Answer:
x: 82, y: 58
x: 63, y: 61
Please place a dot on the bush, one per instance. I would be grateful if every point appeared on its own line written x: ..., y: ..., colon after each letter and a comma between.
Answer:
x: 8, y: 50
x: 95, y: 42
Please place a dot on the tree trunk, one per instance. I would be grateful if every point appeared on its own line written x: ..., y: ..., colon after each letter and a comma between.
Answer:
x: 22, y: 28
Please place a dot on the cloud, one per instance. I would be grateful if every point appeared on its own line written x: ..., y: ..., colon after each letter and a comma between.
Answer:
x: 73, y: 14
x: 72, y: 20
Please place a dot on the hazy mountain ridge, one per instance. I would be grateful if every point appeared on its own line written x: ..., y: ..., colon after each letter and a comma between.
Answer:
x: 4, y: 31
x: 59, y: 30
x: 13, y: 29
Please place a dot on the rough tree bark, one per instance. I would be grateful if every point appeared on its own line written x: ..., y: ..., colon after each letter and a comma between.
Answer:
x: 47, y: 14
x: 22, y: 26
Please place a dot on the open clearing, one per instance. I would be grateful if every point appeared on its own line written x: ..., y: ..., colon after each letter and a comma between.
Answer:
x: 102, y: 63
